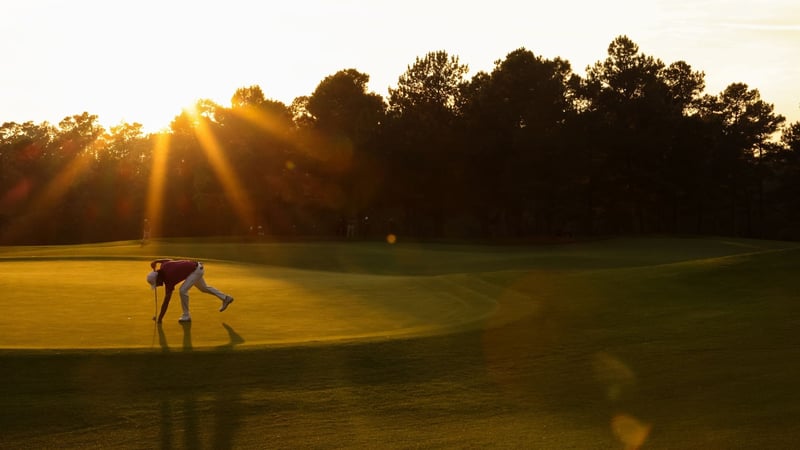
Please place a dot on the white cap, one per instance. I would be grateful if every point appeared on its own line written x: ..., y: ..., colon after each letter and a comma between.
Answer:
x: 151, y: 279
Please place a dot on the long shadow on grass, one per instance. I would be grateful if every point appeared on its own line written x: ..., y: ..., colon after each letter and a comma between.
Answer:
x: 74, y: 399
x: 181, y: 408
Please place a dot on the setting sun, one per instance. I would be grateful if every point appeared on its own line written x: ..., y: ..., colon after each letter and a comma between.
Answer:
x: 145, y: 61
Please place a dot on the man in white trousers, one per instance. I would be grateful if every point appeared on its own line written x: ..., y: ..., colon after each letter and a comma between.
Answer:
x: 170, y: 272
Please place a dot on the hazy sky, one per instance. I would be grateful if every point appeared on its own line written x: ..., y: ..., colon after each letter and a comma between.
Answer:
x: 143, y: 61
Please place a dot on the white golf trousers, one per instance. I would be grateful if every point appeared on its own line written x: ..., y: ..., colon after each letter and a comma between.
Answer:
x: 196, y: 279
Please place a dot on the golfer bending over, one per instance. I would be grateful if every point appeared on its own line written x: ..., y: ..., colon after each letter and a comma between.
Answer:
x: 172, y: 272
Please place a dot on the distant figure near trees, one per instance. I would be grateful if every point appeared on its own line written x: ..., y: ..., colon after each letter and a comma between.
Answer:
x: 145, y: 232
x: 255, y: 232
x: 351, y: 228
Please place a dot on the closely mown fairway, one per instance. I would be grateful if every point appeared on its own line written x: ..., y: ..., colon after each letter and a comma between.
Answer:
x: 668, y: 343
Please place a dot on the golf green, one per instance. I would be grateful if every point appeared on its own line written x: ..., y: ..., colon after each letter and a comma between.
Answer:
x: 85, y: 304
x: 654, y: 342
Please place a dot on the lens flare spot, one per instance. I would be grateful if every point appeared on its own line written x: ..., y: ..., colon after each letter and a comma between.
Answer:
x: 614, y: 374
x: 630, y: 431
x: 391, y: 238
x: 290, y: 165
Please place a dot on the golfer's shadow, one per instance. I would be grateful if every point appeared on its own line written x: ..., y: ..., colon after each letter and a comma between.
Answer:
x: 234, y: 338
x: 187, y: 337
x: 183, y: 408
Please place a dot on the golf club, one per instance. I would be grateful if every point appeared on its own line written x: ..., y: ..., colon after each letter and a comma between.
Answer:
x: 155, y: 303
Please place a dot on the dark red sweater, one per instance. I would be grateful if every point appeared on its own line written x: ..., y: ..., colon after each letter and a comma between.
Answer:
x: 173, y: 272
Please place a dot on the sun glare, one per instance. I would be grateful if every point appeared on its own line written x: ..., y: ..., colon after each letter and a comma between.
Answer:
x: 52, y: 194
x: 264, y: 121
x: 234, y: 190
x: 155, y: 191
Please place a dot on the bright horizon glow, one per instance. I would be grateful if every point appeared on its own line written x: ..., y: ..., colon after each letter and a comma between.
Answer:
x: 146, y: 61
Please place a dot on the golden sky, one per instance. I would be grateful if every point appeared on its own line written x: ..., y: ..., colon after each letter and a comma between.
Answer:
x: 143, y: 61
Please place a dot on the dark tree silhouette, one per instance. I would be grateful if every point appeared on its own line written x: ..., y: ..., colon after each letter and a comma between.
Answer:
x: 529, y: 149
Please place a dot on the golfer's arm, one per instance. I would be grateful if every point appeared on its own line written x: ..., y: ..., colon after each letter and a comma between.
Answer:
x: 165, y: 304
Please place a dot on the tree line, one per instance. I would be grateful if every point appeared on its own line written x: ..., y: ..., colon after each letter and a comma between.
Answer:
x: 528, y: 149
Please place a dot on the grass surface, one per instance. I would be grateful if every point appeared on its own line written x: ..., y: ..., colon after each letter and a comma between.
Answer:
x: 659, y: 343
